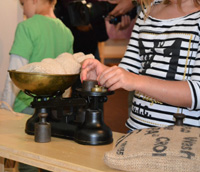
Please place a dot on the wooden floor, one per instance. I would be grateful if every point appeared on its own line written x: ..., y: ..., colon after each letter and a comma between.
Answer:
x: 116, y: 111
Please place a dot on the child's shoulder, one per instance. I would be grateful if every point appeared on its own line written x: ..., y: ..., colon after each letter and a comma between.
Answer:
x: 37, y: 20
x: 30, y: 24
x: 29, y: 20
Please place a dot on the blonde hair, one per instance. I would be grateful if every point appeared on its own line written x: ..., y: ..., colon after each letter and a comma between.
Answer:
x: 146, y: 4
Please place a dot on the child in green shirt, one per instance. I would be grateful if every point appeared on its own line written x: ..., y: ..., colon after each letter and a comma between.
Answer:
x: 41, y: 36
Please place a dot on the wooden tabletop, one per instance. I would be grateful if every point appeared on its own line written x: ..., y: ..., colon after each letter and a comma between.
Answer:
x: 59, y: 155
x: 112, y: 49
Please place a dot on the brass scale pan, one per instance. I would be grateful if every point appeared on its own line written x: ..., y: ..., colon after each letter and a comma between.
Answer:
x: 42, y: 84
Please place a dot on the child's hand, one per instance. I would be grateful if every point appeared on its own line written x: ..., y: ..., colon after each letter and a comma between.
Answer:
x: 115, y: 77
x: 91, y: 69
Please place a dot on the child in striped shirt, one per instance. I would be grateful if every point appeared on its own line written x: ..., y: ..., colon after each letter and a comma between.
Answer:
x: 161, y: 64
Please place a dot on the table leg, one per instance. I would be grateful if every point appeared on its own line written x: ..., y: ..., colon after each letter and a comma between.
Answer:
x: 1, y: 164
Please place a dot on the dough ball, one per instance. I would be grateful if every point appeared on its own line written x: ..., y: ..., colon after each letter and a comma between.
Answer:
x: 69, y: 64
x: 80, y: 59
x: 34, y: 67
x: 78, y: 55
x: 48, y: 66
x: 53, y: 66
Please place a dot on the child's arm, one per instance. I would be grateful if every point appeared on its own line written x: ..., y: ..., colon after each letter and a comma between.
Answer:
x: 10, y: 90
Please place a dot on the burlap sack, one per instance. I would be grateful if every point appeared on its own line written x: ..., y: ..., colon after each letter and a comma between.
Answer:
x: 169, y: 149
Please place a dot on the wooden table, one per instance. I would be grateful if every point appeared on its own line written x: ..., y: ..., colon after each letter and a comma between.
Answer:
x: 113, y: 50
x: 59, y: 155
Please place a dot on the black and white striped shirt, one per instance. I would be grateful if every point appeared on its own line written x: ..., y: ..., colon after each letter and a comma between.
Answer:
x: 170, y: 50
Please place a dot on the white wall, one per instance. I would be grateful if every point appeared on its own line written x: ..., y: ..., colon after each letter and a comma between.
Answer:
x: 10, y: 15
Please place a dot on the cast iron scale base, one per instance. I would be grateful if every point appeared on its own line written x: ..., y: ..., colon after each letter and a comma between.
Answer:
x: 78, y: 118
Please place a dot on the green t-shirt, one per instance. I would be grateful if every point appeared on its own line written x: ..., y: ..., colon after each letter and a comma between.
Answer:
x: 37, y: 38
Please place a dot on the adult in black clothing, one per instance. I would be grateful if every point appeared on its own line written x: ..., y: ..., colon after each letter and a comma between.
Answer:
x: 86, y: 37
